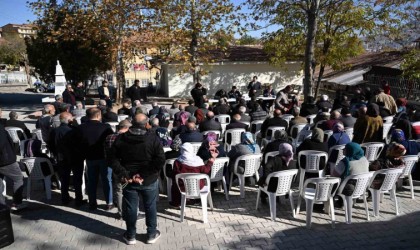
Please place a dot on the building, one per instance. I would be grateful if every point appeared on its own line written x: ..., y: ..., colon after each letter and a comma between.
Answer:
x: 23, y: 30
x: 236, y: 67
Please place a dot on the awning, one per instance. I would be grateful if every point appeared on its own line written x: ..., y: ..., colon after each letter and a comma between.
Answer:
x: 349, y: 79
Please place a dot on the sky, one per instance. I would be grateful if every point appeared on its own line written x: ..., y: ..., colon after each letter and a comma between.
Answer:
x: 18, y: 12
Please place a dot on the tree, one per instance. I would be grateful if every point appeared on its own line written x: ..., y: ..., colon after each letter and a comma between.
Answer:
x: 411, y: 65
x: 108, y: 24
x: 322, y: 32
x: 13, y: 52
x: 189, y: 27
x: 248, y: 40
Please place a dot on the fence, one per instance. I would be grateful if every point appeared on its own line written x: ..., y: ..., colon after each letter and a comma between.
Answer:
x: 14, y: 77
x: 400, y: 87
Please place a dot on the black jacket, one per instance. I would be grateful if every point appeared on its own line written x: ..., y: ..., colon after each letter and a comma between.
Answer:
x: 211, y: 124
x: 92, y: 136
x: 63, y: 145
x: 109, y: 116
x: 79, y: 93
x: 154, y: 111
x: 7, y: 152
x: 236, y: 124
x: 134, y: 92
x: 191, y: 136
x: 221, y: 109
x: 308, y: 109
x: 44, y: 123
x: 137, y: 152
x: 191, y: 109
x: 275, y: 121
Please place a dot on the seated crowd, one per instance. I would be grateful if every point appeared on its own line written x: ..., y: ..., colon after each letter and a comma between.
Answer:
x: 146, y: 135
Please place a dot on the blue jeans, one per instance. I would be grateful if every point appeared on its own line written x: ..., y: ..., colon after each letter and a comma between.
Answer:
x: 94, y: 167
x: 149, y: 195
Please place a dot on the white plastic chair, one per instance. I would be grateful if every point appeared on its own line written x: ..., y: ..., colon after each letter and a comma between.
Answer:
x: 269, y: 155
x: 327, y: 134
x: 255, y: 126
x: 113, y: 126
x: 223, y: 119
x: 340, y: 150
x: 252, y: 164
x: 362, y: 182
x: 409, y: 161
x: 38, y: 135
x: 5, y: 187
x: 372, y: 150
x: 168, y: 178
x: 300, y: 131
x: 313, y: 159
x: 33, y: 168
x: 310, y: 119
x: 166, y: 149
x: 271, y: 130
x: 216, y: 174
x: 235, y: 137
x: 79, y: 120
x: 122, y: 117
x: 388, y: 185
x: 319, y: 123
x: 192, y: 190
x: 219, y: 135
x: 323, y: 192
x: 349, y: 132
x: 287, y: 117
x: 14, y: 133
x: 386, y: 129
x: 284, y: 184
x: 388, y: 119
x: 196, y: 146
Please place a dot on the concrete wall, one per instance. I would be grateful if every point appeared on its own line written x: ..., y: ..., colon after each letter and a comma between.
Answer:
x: 226, y: 75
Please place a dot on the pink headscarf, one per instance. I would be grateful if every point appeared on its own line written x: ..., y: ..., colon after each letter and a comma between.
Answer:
x: 183, y: 117
x: 286, y: 152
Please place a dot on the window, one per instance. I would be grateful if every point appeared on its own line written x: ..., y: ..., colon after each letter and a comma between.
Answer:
x: 144, y: 83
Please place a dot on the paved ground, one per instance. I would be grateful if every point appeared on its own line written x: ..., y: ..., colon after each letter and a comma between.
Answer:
x: 234, y: 224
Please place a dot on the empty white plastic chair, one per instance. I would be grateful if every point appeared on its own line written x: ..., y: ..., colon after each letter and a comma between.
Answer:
x: 223, y: 119
x: 372, y: 150
x: 360, y: 187
x: 33, y: 168
x: 14, y: 133
x: 349, y: 132
x: 313, y: 159
x: 193, y: 190
x: 409, y: 161
x: 168, y: 162
x: 323, y: 192
x: 387, y: 186
x: 113, y: 125
x: 284, y: 184
x: 233, y: 137
x: 310, y: 118
x: 252, y: 164
x: 216, y: 174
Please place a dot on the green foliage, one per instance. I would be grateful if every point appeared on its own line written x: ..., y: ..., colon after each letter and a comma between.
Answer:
x: 248, y: 40
x: 411, y: 65
x: 12, y: 50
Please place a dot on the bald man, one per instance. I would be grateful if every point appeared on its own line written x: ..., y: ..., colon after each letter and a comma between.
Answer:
x: 210, y: 123
x: 45, y: 121
x: 137, y: 158
x: 191, y: 134
x: 276, y: 121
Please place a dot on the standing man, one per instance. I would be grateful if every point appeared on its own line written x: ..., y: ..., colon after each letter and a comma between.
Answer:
x: 137, y: 158
x: 253, y: 87
x: 69, y: 97
x: 134, y: 92
x: 92, y: 139
x: 45, y: 121
x: 10, y: 168
x: 106, y: 93
x: 198, y: 94
x: 64, y: 145
x: 79, y: 93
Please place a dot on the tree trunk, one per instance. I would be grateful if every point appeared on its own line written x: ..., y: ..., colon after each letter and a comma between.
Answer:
x: 120, y: 84
x: 193, y: 46
x: 318, y: 82
x: 312, y: 15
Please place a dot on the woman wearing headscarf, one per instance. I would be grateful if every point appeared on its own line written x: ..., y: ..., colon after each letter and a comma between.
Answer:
x: 199, y: 115
x: 354, y: 162
x: 164, y: 137
x: 209, y: 145
x: 188, y: 162
x: 369, y: 128
x: 247, y: 146
x: 163, y: 117
x: 182, y: 124
x: 394, y: 154
x: 339, y: 136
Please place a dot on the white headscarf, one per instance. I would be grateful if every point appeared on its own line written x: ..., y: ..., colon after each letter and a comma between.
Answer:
x: 324, y: 97
x: 188, y: 157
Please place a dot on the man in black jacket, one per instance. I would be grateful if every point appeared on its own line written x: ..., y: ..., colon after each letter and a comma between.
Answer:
x: 135, y: 92
x: 92, y: 138
x: 191, y: 134
x: 276, y: 121
x: 235, y: 123
x: 106, y: 92
x: 14, y: 122
x: 79, y: 93
x: 191, y: 108
x: 198, y: 93
x: 64, y: 145
x: 210, y: 123
x: 10, y: 168
x: 137, y: 158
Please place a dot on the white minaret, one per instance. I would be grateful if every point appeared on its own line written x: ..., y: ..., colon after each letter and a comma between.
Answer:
x: 60, y: 79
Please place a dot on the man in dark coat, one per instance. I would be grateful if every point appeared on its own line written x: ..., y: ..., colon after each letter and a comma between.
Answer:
x: 191, y: 134
x: 106, y: 92
x: 254, y: 87
x: 134, y: 92
x: 198, y: 94
x: 14, y: 122
x: 235, y: 123
x: 276, y: 121
x: 210, y: 123
x: 79, y: 93
x: 68, y: 96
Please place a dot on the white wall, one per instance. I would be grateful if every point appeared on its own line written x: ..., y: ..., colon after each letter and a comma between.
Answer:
x: 226, y: 75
